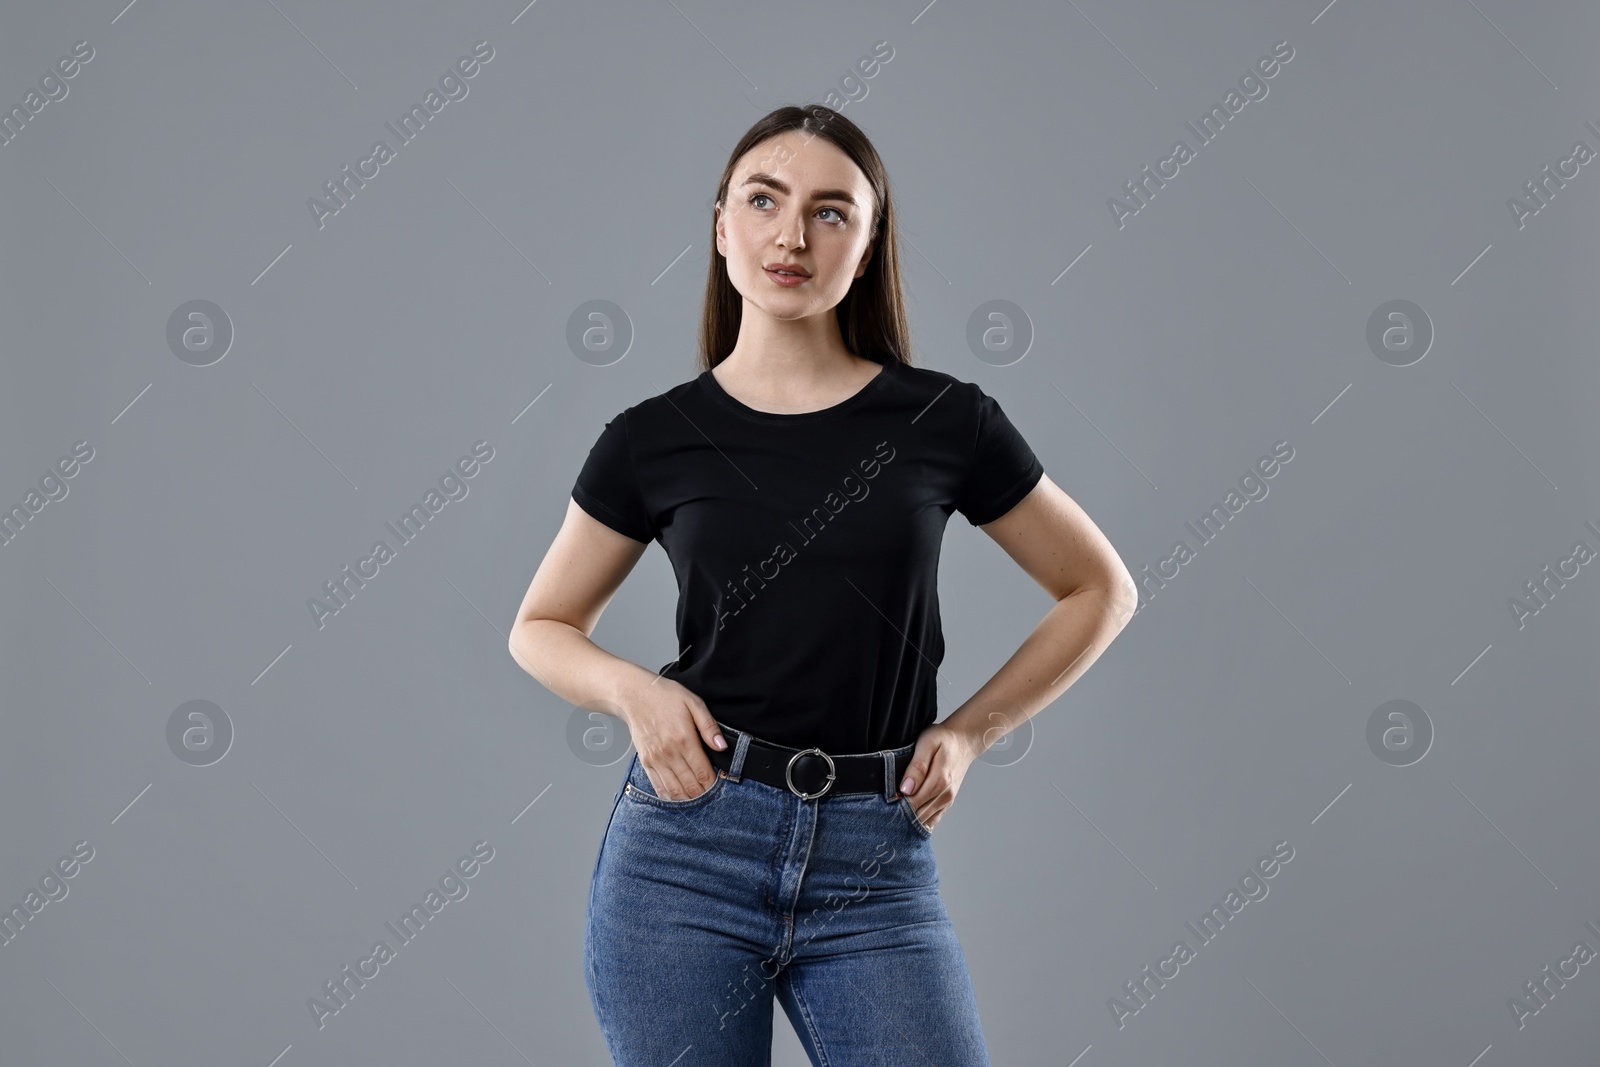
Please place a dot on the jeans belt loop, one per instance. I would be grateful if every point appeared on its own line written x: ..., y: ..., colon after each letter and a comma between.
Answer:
x: 740, y: 747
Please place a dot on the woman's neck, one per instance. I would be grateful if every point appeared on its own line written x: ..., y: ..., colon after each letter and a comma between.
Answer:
x: 793, y: 382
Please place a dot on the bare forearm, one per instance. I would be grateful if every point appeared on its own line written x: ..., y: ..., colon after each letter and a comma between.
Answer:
x: 565, y: 661
x: 1065, y: 644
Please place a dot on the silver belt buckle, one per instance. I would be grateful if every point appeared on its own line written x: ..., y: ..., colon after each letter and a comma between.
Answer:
x: 788, y: 776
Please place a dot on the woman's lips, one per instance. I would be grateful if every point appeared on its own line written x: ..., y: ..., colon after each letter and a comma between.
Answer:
x: 790, y: 280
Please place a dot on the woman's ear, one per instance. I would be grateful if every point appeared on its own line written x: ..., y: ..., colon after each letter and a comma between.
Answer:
x: 866, y: 256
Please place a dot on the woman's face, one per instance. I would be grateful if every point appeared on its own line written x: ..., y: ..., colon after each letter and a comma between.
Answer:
x: 796, y: 199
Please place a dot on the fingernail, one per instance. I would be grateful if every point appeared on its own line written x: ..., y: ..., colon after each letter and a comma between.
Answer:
x: 719, y: 742
x: 907, y: 786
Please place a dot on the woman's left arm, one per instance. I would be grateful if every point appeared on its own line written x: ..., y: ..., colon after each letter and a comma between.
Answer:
x: 1061, y: 548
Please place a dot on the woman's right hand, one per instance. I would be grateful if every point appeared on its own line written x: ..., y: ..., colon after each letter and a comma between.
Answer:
x: 668, y: 723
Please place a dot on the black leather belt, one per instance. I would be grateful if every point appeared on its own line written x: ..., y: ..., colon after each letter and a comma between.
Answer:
x: 808, y: 772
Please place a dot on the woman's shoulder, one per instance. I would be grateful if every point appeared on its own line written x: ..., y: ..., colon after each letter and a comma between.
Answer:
x: 911, y: 372
x: 656, y: 405
x: 932, y: 384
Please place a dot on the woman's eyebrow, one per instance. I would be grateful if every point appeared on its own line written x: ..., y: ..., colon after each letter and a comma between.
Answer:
x: 783, y: 187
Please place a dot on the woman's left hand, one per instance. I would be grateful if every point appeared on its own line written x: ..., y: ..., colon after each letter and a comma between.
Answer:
x: 937, y: 767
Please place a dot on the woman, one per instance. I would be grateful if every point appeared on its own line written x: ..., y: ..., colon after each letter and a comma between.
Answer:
x: 772, y: 835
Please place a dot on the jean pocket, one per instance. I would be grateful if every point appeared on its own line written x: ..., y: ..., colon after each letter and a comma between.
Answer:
x: 639, y: 788
x: 911, y: 817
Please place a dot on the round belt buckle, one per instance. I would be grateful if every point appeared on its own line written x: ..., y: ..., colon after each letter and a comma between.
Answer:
x: 789, y: 778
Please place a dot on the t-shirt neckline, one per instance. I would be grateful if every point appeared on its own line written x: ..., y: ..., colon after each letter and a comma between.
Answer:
x: 859, y: 396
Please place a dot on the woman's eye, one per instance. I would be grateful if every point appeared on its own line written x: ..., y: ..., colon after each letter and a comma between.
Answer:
x: 842, y: 218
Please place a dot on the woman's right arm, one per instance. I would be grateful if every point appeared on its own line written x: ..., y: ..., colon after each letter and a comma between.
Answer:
x: 580, y: 573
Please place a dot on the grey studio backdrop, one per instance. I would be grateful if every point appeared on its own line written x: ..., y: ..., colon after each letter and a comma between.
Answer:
x: 1370, y: 672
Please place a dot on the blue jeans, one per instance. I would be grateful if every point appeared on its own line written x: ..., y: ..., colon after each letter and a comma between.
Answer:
x: 701, y: 911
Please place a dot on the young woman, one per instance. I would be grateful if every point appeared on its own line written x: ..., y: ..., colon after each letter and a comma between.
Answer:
x: 771, y: 838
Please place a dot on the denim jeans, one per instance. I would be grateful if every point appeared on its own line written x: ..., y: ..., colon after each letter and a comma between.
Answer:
x: 702, y: 911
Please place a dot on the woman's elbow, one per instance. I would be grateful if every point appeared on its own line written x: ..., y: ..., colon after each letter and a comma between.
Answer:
x: 1120, y: 591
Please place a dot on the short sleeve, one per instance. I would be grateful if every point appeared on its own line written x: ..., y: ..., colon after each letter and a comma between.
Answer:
x: 607, y: 486
x: 1003, y: 468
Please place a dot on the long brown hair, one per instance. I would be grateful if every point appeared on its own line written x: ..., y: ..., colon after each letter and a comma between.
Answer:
x: 872, y: 315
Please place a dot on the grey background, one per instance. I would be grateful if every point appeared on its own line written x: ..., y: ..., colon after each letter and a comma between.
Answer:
x: 1228, y: 315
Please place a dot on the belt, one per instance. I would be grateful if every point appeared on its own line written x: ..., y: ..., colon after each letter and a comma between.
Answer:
x: 808, y: 772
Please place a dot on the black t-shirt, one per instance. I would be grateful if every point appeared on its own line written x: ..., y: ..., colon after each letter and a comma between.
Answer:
x: 806, y: 546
